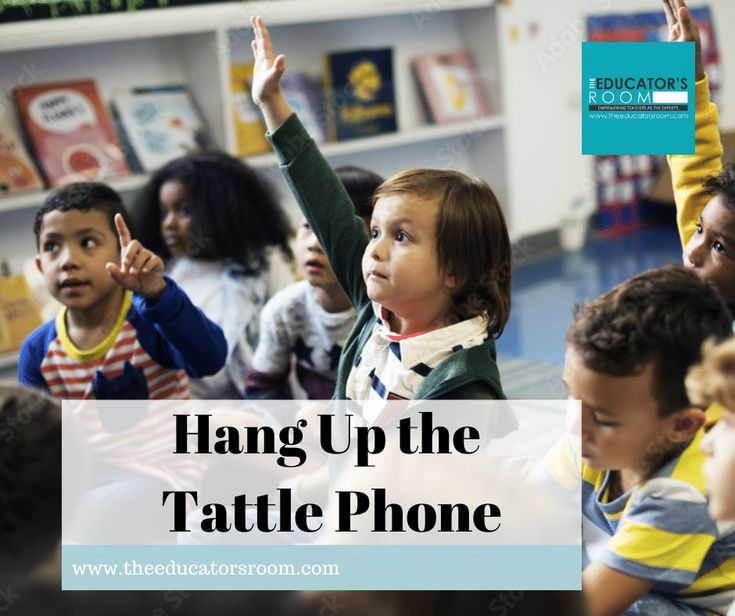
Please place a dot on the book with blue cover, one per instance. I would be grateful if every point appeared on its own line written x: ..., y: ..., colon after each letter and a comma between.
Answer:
x: 158, y: 124
x: 360, y: 93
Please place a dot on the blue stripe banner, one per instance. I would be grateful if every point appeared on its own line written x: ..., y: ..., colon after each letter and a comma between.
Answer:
x: 321, y: 567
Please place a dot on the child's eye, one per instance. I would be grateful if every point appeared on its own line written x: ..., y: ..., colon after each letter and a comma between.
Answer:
x: 306, y: 226
x: 718, y: 247
x: 606, y: 424
x: 49, y: 246
x: 89, y: 242
x: 374, y: 234
x: 699, y: 228
x: 400, y: 236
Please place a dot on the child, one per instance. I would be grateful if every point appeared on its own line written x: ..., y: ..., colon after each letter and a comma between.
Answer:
x: 642, y: 484
x: 704, y: 192
x: 309, y: 320
x: 713, y: 380
x: 30, y: 475
x: 126, y: 331
x: 225, y: 241
x: 432, y: 282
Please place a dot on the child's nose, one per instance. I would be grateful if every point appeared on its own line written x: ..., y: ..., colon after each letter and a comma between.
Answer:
x: 694, y: 252
x: 69, y: 258
x: 170, y: 221
x: 378, y: 249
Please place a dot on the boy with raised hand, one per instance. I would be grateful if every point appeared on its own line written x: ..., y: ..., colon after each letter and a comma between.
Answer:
x: 704, y: 192
x: 126, y: 331
x: 431, y: 281
x: 643, y: 487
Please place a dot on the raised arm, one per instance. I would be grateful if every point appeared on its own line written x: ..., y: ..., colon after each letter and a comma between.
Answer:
x: 689, y: 172
x: 316, y: 187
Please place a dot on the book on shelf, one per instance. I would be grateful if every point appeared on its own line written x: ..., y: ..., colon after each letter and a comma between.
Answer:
x: 70, y: 132
x: 17, y: 171
x: 158, y: 124
x: 360, y: 94
x: 305, y: 97
x: 247, y: 119
x: 19, y: 313
x: 450, y: 87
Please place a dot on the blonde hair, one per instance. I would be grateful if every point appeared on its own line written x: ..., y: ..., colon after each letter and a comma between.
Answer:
x: 713, y: 379
x: 472, y: 240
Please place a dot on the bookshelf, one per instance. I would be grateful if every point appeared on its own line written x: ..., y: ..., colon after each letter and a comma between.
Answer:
x: 196, y: 45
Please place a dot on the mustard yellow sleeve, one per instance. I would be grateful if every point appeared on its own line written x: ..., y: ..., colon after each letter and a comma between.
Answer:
x: 689, y: 172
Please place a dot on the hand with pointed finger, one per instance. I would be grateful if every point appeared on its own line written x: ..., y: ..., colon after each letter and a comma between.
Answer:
x: 683, y: 28
x: 140, y: 270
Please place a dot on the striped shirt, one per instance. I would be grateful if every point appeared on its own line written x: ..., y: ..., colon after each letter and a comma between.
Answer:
x: 661, y: 529
x: 392, y: 367
x: 148, y: 353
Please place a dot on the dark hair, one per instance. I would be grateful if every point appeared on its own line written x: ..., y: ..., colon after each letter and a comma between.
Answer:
x: 361, y: 185
x: 30, y: 477
x: 661, y: 316
x: 723, y: 184
x: 83, y: 196
x: 471, y: 238
x: 234, y: 212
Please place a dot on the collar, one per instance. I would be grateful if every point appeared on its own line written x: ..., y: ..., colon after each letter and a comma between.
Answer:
x: 421, y: 347
x: 99, y: 351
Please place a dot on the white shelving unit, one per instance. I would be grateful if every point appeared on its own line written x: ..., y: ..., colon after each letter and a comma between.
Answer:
x: 196, y: 45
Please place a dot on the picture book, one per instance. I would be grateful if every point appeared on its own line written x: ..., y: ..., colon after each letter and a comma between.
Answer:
x: 305, y: 97
x: 450, y: 87
x: 19, y: 314
x: 17, y: 172
x: 70, y: 132
x: 247, y: 120
x: 158, y: 124
x: 360, y: 94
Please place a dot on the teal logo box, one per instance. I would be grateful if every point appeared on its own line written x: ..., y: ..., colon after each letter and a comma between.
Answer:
x: 637, y: 98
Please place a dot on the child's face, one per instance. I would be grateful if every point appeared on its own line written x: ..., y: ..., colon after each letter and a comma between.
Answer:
x: 74, y: 248
x: 175, y: 218
x: 400, y: 264
x: 621, y: 428
x: 312, y: 259
x: 719, y: 446
x: 711, y: 250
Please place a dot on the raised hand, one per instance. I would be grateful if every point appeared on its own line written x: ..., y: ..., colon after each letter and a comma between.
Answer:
x: 267, y: 71
x: 268, y: 67
x: 140, y: 270
x: 682, y: 28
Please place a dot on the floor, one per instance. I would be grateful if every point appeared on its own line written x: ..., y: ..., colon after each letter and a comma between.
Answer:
x: 531, y: 349
x: 546, y: 290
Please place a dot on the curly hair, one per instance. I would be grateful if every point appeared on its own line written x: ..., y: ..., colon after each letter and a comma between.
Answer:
x: 83, y: 196
x: 662, y: 316
x: 723, y: 184
x: 30, y: 477
x: 235, y: 213
x: 471, y: 238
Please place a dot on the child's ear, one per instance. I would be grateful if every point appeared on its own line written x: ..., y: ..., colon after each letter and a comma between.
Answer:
x: 39, y: 267
x: 686, y: 424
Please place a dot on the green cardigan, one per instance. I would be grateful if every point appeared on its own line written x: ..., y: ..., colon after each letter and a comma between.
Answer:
x: 468, y: 374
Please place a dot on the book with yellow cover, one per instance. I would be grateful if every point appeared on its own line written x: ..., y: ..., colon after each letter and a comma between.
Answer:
x: 249, y: 127
x: 19, y: 313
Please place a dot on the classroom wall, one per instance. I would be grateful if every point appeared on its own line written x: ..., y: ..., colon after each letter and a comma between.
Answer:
x: 542, y: 96
x: 541, y: 92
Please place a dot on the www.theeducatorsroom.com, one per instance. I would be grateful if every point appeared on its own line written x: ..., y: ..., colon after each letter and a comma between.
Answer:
x: 134, y: 568
x: 608, y: 115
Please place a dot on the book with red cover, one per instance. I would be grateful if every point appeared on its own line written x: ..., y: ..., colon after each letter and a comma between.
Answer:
x: 70, y: 131
x: 450, y: 86
x: 16, y: 169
